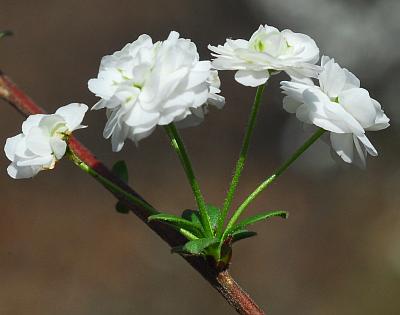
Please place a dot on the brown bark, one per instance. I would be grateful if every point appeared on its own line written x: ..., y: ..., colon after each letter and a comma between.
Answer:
x: 222, y: 281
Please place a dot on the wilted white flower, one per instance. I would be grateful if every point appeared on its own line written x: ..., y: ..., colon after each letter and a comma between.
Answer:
x: 267, y: 51
x: 340, y: 106
x: 42, y: 141
x: 148, y: 84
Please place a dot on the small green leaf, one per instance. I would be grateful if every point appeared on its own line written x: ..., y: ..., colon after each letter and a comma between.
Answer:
x: 257, y: 218
x: 241, y: 235
x: 121, y: 208
x: 5, y: 33
x: 192, y: 216
x: 213, y: 213
x: 197, y: 246
x: 177, y: 222
x: 121, y: 170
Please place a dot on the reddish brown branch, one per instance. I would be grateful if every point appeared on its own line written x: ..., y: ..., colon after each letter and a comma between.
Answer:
x: 221, y: 281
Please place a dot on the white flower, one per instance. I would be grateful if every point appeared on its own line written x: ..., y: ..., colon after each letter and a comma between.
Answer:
x: 42, y: 141
x: 267, y: 51
x: 340, y: 106
x: 146, y: 84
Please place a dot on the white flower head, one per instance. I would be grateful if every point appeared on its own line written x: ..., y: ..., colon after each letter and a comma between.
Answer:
x: 42, y: 141
x: 268, y: 51
x: 340, y: 106
x: 148, y: 84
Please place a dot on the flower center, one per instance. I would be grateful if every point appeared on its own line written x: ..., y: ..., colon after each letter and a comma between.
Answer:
x: 60, y: 130
x: 259, y: 45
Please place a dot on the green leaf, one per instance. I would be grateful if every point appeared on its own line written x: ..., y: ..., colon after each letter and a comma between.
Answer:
x: 121, y: 208
x: 177, y: 222
x: 196, y: 247
x: 241, y: 235
x: 192, y: 216
x: 121, y: 170
x: 214, y: 214
x: 5, y: 33
x: 257, y: 218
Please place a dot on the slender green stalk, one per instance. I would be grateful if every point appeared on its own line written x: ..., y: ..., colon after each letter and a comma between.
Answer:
x: 242, y: 158
x: 109, y: 184
x: 179, y: 147
x: 272, y: 178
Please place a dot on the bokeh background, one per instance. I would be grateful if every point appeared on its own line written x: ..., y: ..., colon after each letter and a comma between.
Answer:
x: 65, y: 250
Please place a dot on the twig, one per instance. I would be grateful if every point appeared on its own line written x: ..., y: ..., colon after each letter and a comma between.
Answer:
x: 222, y: 281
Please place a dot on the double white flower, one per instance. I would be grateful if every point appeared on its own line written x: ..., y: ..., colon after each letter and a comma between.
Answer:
x: 340, y: 106
x: 42, y: 141
x: 268, y: 51
x: 148, y: 84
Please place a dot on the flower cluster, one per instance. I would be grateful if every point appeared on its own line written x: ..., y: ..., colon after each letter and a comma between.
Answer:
x: 337, y: 105
x: 43, y: 140
x: 148, y: 84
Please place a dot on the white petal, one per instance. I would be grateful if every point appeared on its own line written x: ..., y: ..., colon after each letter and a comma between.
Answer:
x: 332, y: 79
x: 251, y: 78
x: 38, y: 142
x: 381, y: 120
x: 216, y: 100
x: 118, y: 137
x: 104, y: 86
x: 73, y: 114
x: 196, y: 117
x: 31, y: 121
x: 11, y: 146
x: 325, y: 60
x: 22, y: 172
x: 100, y: 105
x: 112, y: 122
x: 51, y: 124
x: 351, y: 80
x: 42, y: 161
x: 295, y: 89
x: 361, y: 160
x: 141, y: 135
x: 58, y: 147
x: 310, y: 53
x: 326, y: 114
x: 368, y: 145
x: 358, y: 103
x: 138, y: 116
x: 199, y: 74
x: 290, y: 105
x: 343, y: 145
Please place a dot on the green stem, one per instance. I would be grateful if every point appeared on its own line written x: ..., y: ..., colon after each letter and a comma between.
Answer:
x: 242, y: 158
x: 272, y: 178
x: 179, y: 147
x: 109, y: 184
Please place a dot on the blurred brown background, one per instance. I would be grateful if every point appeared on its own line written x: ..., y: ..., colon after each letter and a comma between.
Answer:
x: 65, y: 250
